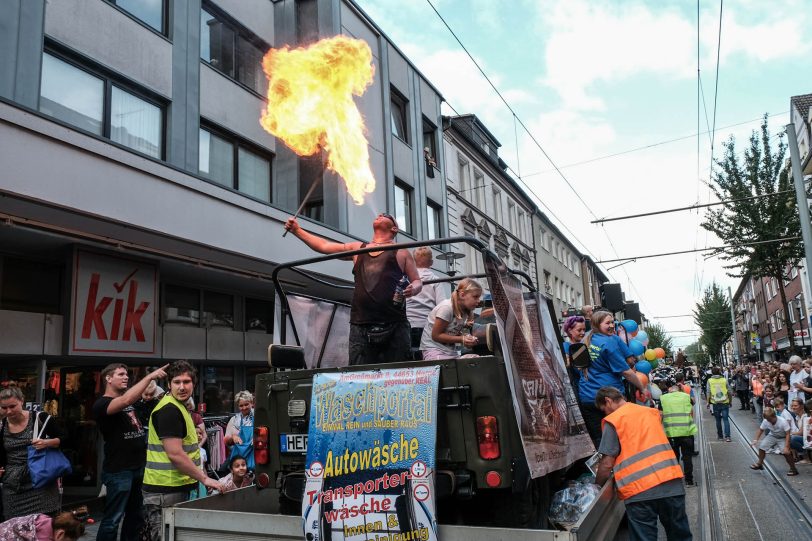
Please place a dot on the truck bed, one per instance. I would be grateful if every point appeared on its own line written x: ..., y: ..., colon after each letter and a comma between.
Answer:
x: 251, y: 515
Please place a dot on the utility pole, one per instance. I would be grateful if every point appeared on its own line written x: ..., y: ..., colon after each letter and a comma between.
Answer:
x: 803, y: 206
x: 736, y: 358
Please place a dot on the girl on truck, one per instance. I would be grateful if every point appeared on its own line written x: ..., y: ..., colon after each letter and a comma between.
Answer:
x: 449, y: 323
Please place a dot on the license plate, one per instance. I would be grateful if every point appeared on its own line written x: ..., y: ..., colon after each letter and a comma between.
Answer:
x: 293, y: 443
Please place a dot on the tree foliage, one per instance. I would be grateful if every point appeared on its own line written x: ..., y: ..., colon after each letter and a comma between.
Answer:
x: 770, y: 211
x: 695, y: 355
x: 658, y: 338
x: 712, y: 315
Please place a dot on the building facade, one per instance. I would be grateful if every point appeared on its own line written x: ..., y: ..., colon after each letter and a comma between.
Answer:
x: 142, y: 205
x: 592, y: 278
x: 484, y: 201
x: 559, y: 266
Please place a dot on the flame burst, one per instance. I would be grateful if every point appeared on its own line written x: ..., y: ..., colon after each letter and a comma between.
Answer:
x: 310, y: 105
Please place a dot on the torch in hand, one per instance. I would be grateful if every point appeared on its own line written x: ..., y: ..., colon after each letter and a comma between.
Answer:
x: 304, y: 202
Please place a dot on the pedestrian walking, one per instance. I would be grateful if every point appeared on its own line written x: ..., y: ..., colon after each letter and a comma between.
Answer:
x: 719, y: 399
x: 173, y: 454
x: 647, y: 475
x: 16, y: 436
x: 125, y: 450
x: 678, y: 422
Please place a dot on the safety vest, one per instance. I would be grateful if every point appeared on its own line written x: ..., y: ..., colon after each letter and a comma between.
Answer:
x: 646, y: 458
x: 677, y: 419
x: 159, y: 470
x: 685, y: 388
x: 718, y: 390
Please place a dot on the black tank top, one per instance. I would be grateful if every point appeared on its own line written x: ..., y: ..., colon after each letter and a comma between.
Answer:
x: 375, y: 281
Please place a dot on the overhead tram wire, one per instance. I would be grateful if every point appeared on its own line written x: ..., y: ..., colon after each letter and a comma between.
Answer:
x: 710, y: 248
x: 535, y: 141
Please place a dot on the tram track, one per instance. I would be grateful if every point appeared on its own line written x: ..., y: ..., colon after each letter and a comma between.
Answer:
x: 709, y: 525
x: 787, y: 493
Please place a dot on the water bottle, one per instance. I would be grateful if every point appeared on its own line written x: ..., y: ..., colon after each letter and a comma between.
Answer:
x: 399, y: 298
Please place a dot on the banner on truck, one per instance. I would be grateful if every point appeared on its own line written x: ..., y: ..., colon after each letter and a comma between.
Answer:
x: 550, y: 423
x: 370, y: 456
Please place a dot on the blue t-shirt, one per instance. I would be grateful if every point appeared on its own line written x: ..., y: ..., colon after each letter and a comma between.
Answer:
x: 566, y: 348
x: 608, y: 365
x: 624, y: 348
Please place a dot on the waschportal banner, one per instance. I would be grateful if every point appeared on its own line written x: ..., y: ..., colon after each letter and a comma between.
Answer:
x: 370, y: 456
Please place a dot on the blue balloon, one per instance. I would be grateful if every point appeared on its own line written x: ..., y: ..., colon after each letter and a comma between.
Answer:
x: 637, y: 347
x: 643, y: 366
x: 630, y: 325
x: 642, y: 336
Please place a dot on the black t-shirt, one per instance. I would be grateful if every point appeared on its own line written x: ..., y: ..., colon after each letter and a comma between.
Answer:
x: 169, y: 423
x: 125, y: 444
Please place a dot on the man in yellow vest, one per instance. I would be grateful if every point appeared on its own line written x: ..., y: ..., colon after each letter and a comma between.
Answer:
x: 678, y: 422
x: 647, y: 475
x: 719, y: 399
x: 173, y: 454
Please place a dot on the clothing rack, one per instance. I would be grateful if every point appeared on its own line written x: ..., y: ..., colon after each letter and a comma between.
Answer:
x: 215, y: 430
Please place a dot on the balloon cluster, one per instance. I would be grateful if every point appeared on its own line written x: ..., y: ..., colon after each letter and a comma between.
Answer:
x: 628, y: 330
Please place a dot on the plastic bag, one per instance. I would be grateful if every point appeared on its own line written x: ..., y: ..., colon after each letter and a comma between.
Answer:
x: 572, y: 502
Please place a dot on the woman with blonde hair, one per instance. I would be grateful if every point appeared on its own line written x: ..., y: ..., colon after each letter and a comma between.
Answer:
x: 240, y: 429
x: 449, y: 323
x: 608, y: 366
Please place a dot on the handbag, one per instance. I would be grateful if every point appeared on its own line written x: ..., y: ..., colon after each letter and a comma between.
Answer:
x: 45, y: 465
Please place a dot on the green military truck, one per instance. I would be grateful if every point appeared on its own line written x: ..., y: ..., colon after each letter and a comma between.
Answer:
x: 484, y: 479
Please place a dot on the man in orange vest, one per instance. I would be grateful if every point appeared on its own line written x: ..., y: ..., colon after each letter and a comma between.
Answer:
x: 648, y: 477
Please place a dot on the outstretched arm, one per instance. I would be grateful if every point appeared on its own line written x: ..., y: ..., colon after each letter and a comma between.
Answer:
x: 409, y: 267
x: 316, y: 242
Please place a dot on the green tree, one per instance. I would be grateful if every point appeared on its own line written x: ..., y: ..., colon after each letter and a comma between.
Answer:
x: 658, y: 338
x: 695, y: 355
x: 760, y: 208
x: 712, y: 315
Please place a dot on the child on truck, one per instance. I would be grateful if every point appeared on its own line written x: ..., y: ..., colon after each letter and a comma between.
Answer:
x: 449, y: 323
x: 239, y: 476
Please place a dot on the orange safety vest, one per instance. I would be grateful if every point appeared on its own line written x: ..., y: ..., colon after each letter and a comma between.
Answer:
x: 686, y: 389
x: 646, y: 458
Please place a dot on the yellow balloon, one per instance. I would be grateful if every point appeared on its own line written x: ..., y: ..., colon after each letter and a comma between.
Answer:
x: 650, y: 354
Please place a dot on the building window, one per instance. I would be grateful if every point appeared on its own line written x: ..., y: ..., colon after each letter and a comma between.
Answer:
x: 794, y: 272
x: 181, y: 305
x: 307, y: 21
x: 478, y: 197
x: 430, y: 140
x: 30, y: 286
x: 218, y: 309
x: 232, y: 50
x: 403, y: 207
x: 512, y: 217
x: 100, y: 106
x: 792, y: 310
x: 434, y: 222
x: 258, y: 315
x: 497, y: 206
x: 150, y: 12
x: 462, y: 167
x: 397, y: 112
x: 228, y: 161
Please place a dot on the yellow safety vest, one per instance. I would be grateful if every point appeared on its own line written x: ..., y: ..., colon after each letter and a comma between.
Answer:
x: 159, y: 470
x: 677, y: 419
x: 718, y: 390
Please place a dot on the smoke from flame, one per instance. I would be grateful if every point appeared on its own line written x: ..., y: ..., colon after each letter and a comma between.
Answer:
x: 310, y: 105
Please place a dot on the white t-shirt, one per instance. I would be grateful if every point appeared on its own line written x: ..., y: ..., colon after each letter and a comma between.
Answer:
x: 796, y: 377
x: 418, y: 307
x: 779, y: 429
x: 806, y: 431
x: 787, y: 415
x: 445, y: 312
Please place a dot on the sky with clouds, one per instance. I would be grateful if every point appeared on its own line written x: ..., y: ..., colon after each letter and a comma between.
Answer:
x: 590, y: 78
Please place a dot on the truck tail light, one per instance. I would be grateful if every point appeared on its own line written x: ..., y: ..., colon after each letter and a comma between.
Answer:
x: 261, y: 444
x: 487, y: 434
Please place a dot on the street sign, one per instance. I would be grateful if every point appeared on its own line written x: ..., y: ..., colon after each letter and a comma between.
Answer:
x: 804, y: 333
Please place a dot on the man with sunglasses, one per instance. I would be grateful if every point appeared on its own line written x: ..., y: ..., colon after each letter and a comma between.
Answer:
x: 379, y: 329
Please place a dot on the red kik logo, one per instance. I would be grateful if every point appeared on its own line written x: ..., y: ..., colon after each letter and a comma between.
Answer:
x: 94, y: 312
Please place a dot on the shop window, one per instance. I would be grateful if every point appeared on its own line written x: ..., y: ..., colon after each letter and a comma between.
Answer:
x: 30, y: 286
x: 258, y: 315
x: 233, y: 163
x: 403, y: 208
x: 218, y: 389
x: 181, y: 305
x: 398, y: 107
x: 151, y: 12
x: 307, y: 21
x: 99, y: 105
x: 218, y: 309
x: 231, y: 49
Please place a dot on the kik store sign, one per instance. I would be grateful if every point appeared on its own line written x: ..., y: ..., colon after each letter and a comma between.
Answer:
x: 114, y: 306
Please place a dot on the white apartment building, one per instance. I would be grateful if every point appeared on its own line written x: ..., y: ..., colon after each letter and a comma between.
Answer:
x: 559, y: 265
